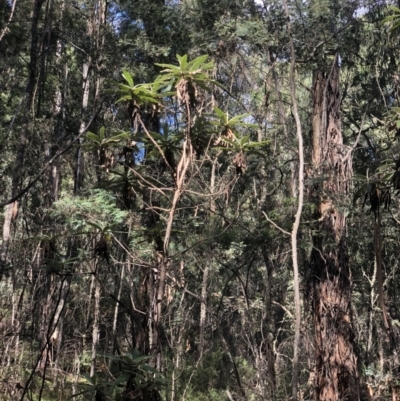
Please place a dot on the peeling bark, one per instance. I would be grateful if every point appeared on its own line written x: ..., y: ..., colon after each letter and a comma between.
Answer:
x: 336, y: 376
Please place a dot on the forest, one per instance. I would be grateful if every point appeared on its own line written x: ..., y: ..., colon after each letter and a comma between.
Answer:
x: 199, y: 200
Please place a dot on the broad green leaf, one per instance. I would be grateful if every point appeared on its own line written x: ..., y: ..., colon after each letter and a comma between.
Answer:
x: 121, y: 380
x: 128, y: 78
x: 123, y: 98
x: 216, y: 83
x: 238, y: 119
x: 387, y: 177
x: 197, y: 62
x: 244, y: 140
x: 168, y: 68
x: 126, y: 88
x: 207, y: 66
x: 150, y: 369
x: 117, y: 138
x: 183, y: 61
x: 359, y: 177
x: 92, y: 137
x: 220, y: 114
x: 101, y: 133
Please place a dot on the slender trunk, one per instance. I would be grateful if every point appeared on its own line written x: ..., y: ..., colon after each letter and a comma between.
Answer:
x: 368, y: 358
x: 296, y: 224
x: 95, y: 331
x: 235, y: 369
x: 46, y: 315
x: 95, y: 39
x: 6, y: 237
x: 54, y: 171
x: 88, y: 312
x: 379, y: 275
x: 162, y: 254
x: 56, y: 330
x: 336, y: 376
x: 176, y: 341
x: 203, y: 308
x: 17, y: 302
x: 116, y: 309
x: 80, y: 161
x: 87, y: 64
x: 158, y: 296
x: 270, y: 354
x: 5, y: 29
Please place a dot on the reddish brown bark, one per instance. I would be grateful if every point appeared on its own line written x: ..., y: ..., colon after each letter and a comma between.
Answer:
x: 336, y: 375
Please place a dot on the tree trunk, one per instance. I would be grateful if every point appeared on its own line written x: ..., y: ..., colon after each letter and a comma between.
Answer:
x: 95, y: 329
x: 336, y: 375
x: 160, y: 274
x: 158, y: 296
x: 58, y: 113
x: 203, y: 308
x: 12, y: 208
x: 86, y: 67
x: 296, y: 223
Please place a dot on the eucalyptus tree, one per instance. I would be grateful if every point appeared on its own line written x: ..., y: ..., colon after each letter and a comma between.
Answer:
x: 336, y: 371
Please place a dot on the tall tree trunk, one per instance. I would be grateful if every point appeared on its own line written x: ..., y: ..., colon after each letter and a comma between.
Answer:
x: 86, y: 67
x: 58, y: 112
x: 12, y: 208
x: 296, y: 223
x: 93, y: 61
x: 80, y: 164
x: 336, y: 375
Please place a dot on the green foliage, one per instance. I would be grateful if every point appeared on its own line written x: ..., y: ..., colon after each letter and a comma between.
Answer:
x: 97, y: 207
x: 132, y: 377
x: 226, y: 122
x: 193, y: 72
x: 167, y: 141
x: 230, y: 135
x: 101, y: 141
x: 393, y: 20
x: 138, y: 95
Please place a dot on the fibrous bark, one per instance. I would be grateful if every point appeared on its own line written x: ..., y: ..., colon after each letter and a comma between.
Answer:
x: 336, y: 375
